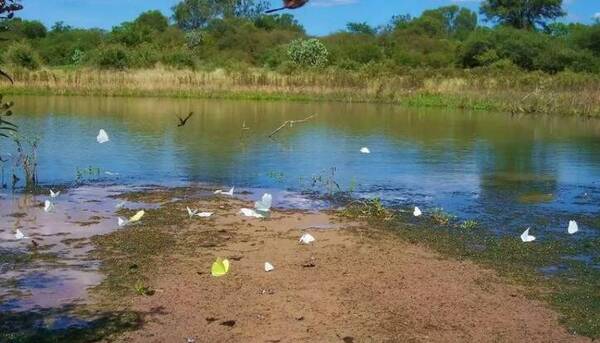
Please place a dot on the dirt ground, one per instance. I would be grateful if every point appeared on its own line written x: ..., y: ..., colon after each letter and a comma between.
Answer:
x: 351, y: 285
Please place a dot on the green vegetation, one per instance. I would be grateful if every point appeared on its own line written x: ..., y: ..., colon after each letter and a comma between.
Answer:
x: 235, y: 35
x: 550, y: 268
x: 525, y: 64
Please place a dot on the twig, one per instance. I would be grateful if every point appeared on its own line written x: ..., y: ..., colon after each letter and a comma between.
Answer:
x: 291, y: 124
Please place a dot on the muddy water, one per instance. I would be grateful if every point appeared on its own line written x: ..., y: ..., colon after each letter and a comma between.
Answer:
x: 507, y: 172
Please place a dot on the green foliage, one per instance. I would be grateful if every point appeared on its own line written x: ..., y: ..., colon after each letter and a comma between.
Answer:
x: 197, y: 14
x: 112, y: 57
x: 522, y: 14
x: 6, y: 127
x: 21, y: 54
x: 308, y: 53
x: 235, y: 34
x: 361, y: 28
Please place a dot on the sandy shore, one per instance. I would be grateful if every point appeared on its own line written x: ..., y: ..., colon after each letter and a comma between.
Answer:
x: 354, y: 284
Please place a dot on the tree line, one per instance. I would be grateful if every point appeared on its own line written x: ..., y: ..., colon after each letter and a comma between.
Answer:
x: 234, y: 34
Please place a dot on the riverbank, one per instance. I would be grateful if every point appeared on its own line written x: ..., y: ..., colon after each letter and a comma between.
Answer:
x: 356, y: 283
x: 489, y: 90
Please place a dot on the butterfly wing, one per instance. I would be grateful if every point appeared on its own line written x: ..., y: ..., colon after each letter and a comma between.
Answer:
x: 220, y: 267
x: 137, y: 216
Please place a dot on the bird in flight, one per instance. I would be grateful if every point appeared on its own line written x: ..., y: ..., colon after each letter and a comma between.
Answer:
x: 289, y: 5
x: 182, y: 122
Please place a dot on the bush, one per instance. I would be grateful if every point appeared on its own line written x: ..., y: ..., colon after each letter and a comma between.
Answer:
x: 179, y: 58
x: 144, y: 56
x: 309, y: 53
x: 22, y: 55
x: 112, y: 57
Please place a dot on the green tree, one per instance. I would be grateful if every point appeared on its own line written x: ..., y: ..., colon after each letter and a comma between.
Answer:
x: 454, y: 20
x: 196, y: 14
x: 522, y: 14
x: 362, y: 28
x: 154, y: 20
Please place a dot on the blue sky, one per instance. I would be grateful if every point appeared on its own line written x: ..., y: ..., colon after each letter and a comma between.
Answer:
x: 319, y: 17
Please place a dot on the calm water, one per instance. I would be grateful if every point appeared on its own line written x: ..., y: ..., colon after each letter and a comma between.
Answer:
x: 506, y: 172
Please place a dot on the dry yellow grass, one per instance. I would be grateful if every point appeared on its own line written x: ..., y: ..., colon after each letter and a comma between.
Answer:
x: 516, y: 92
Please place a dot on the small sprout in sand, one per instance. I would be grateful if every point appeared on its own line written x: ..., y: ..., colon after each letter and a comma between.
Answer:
x: 220, y: 267
x: 142, y: 289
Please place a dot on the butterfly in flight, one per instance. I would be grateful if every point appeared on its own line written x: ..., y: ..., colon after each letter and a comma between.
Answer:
x: 289, y: 5
x: 182, y: 122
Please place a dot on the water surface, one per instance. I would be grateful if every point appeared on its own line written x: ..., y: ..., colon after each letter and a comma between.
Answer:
x: 507, y: 172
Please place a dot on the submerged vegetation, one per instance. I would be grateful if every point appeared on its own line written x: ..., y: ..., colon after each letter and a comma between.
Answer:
x: 441, y: 58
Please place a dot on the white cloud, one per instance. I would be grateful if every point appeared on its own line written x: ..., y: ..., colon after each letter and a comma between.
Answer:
x: 596, y: 15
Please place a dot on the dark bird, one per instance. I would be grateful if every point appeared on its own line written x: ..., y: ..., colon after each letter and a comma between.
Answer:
x: 289, y: 5
x: 182, y: 122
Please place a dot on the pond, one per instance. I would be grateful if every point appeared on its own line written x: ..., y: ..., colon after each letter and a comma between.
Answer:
x: 505, y: 172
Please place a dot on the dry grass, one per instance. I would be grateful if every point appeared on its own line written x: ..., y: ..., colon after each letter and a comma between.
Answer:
x: 518, y: 92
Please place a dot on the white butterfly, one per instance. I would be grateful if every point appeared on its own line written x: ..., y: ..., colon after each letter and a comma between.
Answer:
x: 120, y: 204
x: 122, y: 222
x: 102, y: 137
x: 230, y: 192
x: 111, y: 173
x: 573, y: 227
x: 365, y: 150
x: 307, y: 238
x: 54, y: 195
x: 205, y: 214
x: 19, y: 235
x: 48, y: 206
x: 264, y: 205
x: 191, y: 212
x: 250, y: 213
x: 268, y: 267
x: 417, y: 212
x: 526, y: 237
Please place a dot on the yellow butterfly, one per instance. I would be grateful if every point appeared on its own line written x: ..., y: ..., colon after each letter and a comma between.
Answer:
x: 220, y: 267
x: 137, y: 216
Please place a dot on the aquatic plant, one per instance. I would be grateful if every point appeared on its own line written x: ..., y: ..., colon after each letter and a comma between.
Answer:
x: 441, y: 217
x: 27, y: 160
x: 469, y: 225
x: 86, y: 174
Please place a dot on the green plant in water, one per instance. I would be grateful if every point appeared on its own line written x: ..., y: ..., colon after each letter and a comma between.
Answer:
x: 276, y: 176
x: 367, y: 209
x: 469, y: 225
x: 87, y: 174
x: 327, y: 183
x: 27, y: 159
x: 441, y: 217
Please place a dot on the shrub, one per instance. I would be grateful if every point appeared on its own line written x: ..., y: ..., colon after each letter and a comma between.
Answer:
x: 309, y: 53
x: 112, y: 57
x: 22, y: 55
x: 179, y: 58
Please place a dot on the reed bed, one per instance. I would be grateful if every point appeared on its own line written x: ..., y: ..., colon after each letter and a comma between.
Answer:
x: 517, y: 92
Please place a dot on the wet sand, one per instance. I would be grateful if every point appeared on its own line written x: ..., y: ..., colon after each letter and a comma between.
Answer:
x: 354, y: 284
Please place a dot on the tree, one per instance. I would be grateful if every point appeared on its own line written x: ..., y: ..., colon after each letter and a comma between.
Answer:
x: 522, y: 14
x: 34, y: 29
x: 196, y: 14
x: 154, y: 20
x: 455, y: 21
x: 362, y: 28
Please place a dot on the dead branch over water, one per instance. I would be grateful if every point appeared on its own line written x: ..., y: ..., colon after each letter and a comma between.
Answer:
x: 291, y: 124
